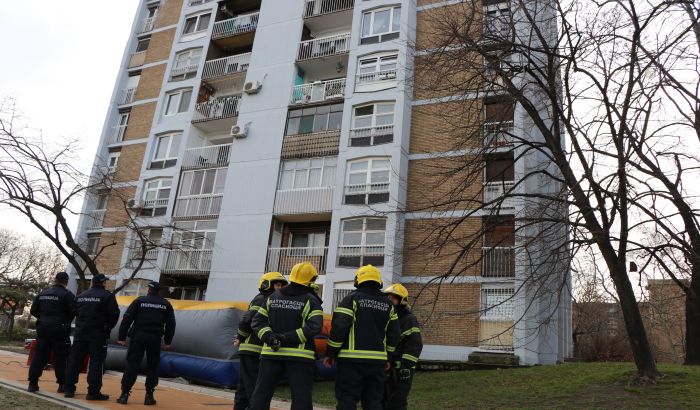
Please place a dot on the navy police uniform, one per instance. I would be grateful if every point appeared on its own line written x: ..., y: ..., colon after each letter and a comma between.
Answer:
x: 404, y: 361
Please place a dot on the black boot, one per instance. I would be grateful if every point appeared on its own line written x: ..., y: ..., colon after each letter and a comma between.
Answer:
x: 149, y: 400
x: 60, y: 389
x: 33, y: 387
x: 97, y: 396
x: 124, y: 398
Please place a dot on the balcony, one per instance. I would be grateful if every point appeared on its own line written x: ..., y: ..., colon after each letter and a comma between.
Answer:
x: 498, y: 133
x: 368, y: 136
x: 126, y: 96
x: 498, y: 262
x: 187, y: 262
x: 152, y: 208
x: 494, y: 193
x: 318, y: 91
x: 184, y: 73
x: 226, y: 66
x: 192, y: 3
x: 315, y: 8
x: 324, y: 15
x: 117, y: 134
x: 235, y: 32
x: 317, y: 144
x: 200, y: 206
x: 324, y: 46
x: 213, y: 156
x: 95, y: 219
x: 210, y: 115
x: 361, y: 194
x: 283, y: 259
x: 377, y: 76
x: 360, y: 255
x: 304, y: 201
x: 147, y: 25
x: 137, y: 59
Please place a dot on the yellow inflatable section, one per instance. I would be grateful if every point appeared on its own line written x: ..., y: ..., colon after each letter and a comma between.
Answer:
x: 125, y: 301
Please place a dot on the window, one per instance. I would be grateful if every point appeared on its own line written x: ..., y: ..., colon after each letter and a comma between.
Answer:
x: 165, y: 151
x: 308, y: 173
x: 497, y: 303
x: 498, y: 121
x: 102, y: 200
x: 362, y: 242
x: 195, y: 235
x: 372, y: 124
x: 178, y: 101
x: 497, y: 22
x: 120, y: 128
x: 498, y: 253
x: 380, y: 25
x: 92, y: 247
x: 154, y: 237
x: 196, y: 24
x: 142, y: 44
x: 135, y: 288
x: 185, y: 65
x: 367, y: 181
x: 314, y: 119
x: 377, y: 68
x: 204, y: 182
x: 499, y: 168
x: 155, y: 197
x: 307, y: 244
x: 112, y: 162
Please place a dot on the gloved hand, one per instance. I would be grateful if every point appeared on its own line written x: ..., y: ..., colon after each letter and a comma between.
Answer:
x: 274, y: 340
x: 404, y: 375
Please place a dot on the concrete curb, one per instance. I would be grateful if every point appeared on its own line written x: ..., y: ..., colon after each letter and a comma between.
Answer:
x: 54, y: 398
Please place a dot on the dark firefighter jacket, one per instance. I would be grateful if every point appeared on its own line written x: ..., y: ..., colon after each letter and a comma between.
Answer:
x: 294, y: 313
x: 96, y: 312
x: 54, y: 307
x: 150, y: 315
x: 365, y: 327
x: 250, y: 342
x: 410, y: 342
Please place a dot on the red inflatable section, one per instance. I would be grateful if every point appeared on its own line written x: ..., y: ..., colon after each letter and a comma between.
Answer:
x: 321, y: 341
x: 31, y: 346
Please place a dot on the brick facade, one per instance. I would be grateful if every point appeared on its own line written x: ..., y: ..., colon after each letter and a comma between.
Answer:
x: 447, y: 126
x: 160, y: 45
x: 109, y: 260
x: 150, y: 82
x: 116, y: 216
x: 438, y: 184
x: 431, y: 24
x: 130, y: 160
x: 140, y: 121
x: 169, y: 13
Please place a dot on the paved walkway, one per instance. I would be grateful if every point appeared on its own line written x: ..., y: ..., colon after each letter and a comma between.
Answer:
x: 170, y: 395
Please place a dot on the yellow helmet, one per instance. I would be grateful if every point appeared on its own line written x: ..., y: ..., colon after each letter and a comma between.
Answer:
x: 303, y: 273
x: 268, y: 278
x: 398, y: 290
x: 368, y: 273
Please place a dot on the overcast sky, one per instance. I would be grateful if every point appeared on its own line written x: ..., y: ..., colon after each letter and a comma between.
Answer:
x: 60, y: 60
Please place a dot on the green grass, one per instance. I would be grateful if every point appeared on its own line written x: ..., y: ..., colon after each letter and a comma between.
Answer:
x: 10, y: 399
x: 571, y: 385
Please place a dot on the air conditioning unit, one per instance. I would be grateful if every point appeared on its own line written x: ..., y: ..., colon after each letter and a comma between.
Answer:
x: 252, y: 87
x: 131, y: 204
x: 239, y: 131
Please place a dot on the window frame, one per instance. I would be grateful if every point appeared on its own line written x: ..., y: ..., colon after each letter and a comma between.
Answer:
x: 370, y: 136
x: 179, y: 93
x: 170, y: 158
x: 156, y: 210
x: 187, y: 183
x: 361, y: 258
x: 139, y: 44
x: 367, y: 195
x: 328, y: 167
x: 495, y: 311
x: 501, y: 14
x: 335, y: 109
x: 378, y: 57
x: 197, y: 29
x: 188, y: 70
x: 378, y: 37
x: 112, y: 168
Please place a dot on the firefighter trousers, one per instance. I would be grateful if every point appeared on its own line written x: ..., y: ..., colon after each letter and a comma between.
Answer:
x: 138, y: 345
x: 396, y: 393
x: 247, y: 377
x: 299, y: 375
x: 97, y: 349
x: 359, y: 382
x: 50, y: 339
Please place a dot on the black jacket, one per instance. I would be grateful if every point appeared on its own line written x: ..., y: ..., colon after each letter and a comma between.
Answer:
x: 410, y: 342
x: 96, y: 313
x: 250, y: 342
x: 365, y: 327
x: 150, y: 315
x: 295, y: 314
x: 54, y: 307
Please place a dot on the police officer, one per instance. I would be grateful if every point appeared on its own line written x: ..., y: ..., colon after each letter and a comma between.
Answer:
x: 97, y: 313
x: 248, y: 344
x: 405, y: 358
x: 287, y: 325
x: 53, y: 309
x: 153, y: 321
x: 364, y: 333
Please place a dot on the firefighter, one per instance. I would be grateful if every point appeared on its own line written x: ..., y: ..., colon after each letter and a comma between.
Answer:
x: 405, y: 358
x: 53, y: 309
x: 248, y: 344
x: 97, y: 313
x: 364, y: 332
x: 287, y: 325
x: 149, y: 321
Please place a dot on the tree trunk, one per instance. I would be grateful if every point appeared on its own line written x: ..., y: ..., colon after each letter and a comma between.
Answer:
x: 11, y: 326
x: 692, y: 321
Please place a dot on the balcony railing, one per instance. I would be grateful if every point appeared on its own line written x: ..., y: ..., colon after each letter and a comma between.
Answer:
x: 376, y: 76
x: 154, y: 203
x: 498, y: 262
x: 183, y: 71
x: 315, y: 8
x: 317, y: 144
x: 187, y: 261
x: 493, y: 191
x: 374, y: 188
x: 318, y: 91
x: 359, y: 255
x: 235, y: 26
x: 117, y: 133
x: 147, y: 24
x: 220, y: 107
x: 198, y: 206
x: 324, y: 46
x: 498, y: 133
x: 126, y: 96
x: 198, y: 2
x: 225, y: 66
x: 95, y: 218
x: 380, y: 134
x: 149, y: 258
x: 137, y: 59
x: 283, y: 259
x: 207, y: 157
x: 304, y: 200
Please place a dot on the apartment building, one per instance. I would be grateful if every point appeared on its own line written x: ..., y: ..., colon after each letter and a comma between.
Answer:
x: 257, y: 134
